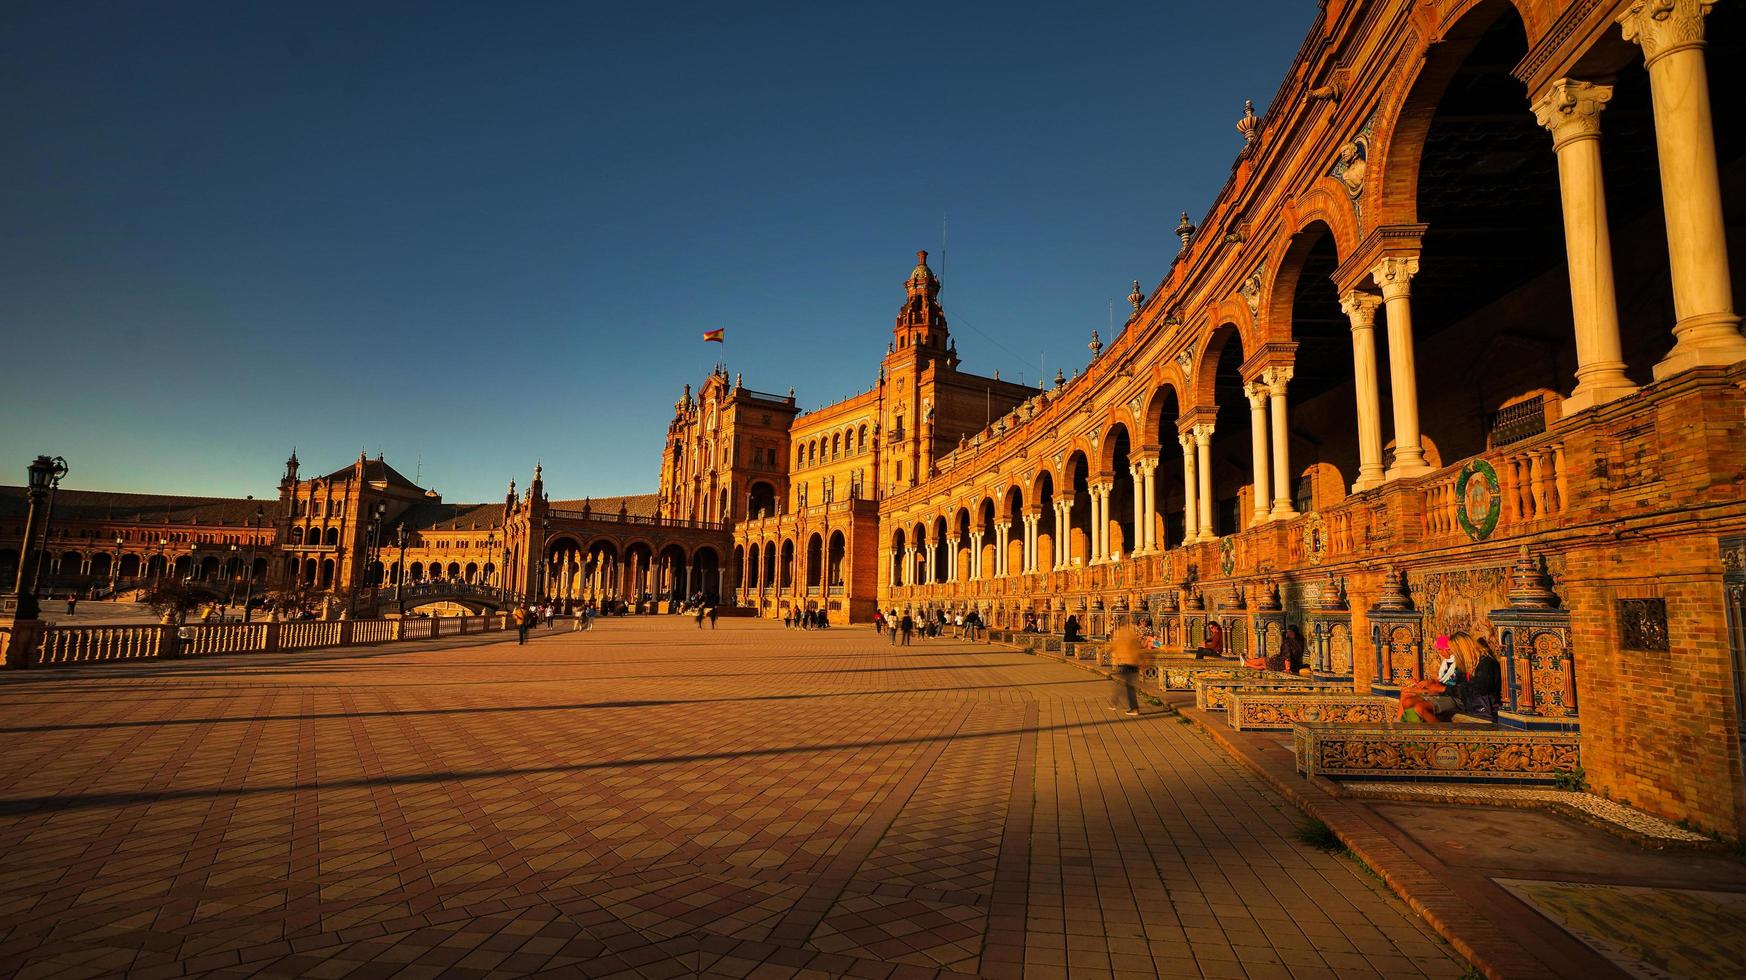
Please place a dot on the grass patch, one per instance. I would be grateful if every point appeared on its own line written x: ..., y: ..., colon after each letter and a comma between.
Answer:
x: 1319, y: 836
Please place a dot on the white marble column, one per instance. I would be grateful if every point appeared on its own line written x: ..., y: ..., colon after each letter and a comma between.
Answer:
x: 952, y: 560
x: 1190, y: 522
x: 1256, y: 392
x: 1706, y: 330
x: 1277, y: 378
x: 1571, y: 111
x: 1395, y: 276
x: 976, y: 555
x: 1360, y: 309
x: 1002, y: 534
x: 1149, y: 473
x: 1203, y: 433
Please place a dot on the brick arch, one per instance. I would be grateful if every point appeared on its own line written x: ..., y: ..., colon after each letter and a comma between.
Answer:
x: 1106, y: 441
x: 1207, y: 364
x: 1404, y: 118
x: 1153, y: 431
x: 1287, y: 265
x: 1036, y: 482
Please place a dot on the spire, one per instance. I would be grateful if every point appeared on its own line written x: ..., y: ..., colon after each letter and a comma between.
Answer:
x: 922, y: 321
x: 291, y: 467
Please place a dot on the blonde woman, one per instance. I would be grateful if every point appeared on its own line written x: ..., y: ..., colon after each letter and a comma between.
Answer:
x: 1436, y: 700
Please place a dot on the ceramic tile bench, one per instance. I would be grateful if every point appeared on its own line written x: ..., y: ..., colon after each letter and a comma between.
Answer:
x: 1248, y: 711
x: 1458, y: 752
x: 1210, y: 693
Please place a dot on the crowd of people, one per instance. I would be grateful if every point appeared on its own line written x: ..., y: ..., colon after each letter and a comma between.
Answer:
x: 935, y: 623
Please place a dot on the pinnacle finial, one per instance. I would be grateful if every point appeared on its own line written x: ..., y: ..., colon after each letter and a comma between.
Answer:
x: 1096, y: 345
x: 1136, y: 298
x: 1249, y: 125
x: 1185, y: 230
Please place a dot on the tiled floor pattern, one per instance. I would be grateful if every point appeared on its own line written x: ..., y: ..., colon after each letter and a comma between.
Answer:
x: 652, y: 800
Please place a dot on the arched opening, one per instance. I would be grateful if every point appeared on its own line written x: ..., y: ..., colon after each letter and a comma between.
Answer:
x: 1321, y: 398
x: 1168, y: 493
x: 761, y: 500
x: 941, y: 553
x: 1078, y: 534
x: 326, y: 580
x: 745, y: 567
x: 706, y: 576
x: 787, y: 563
x: 671, y: 584
x: 898, y: 548
x: 961, y: 555
x: 1123, y: 506
x: 1231, y: 452
x: 296, y: 536
x: 129, y: 567
x: 985, y: 554
x: 1043, y: 492
x: 834, y: 562
x: 918, y: 571
x: 417, y: 571
x: 471, y: 572
x: 331, y: 536
x: 1013, y: 512
x: 767, y: 579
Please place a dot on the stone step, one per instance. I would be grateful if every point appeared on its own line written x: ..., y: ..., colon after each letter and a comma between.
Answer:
x: 1456, y: 752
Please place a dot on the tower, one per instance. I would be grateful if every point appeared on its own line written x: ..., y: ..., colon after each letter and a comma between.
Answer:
x: 921, y: 348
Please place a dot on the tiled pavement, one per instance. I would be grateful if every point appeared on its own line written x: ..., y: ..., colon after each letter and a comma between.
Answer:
x: 652, y: 800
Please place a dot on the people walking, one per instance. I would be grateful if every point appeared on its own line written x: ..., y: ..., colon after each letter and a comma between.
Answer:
x: 523, y: 619
x: 908, y: 626
x: 711, y: 612
x: 1126, y: 654
x: 878, y: 621
x: 697, y: 614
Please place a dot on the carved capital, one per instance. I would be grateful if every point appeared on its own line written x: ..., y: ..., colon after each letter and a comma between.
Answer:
x: 1570, y: 110
x: 1256, y: 392
x: 1203, y: 432
x: 1395, y: 275
x: 1187, y: 442
x: 1360, y: 308
x: 1276, y: 378
x: 1662, y: 27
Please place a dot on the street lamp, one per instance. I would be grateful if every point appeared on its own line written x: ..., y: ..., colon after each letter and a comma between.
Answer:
x: 503, y: 573
x: 22, y: 604
x: 249, y: 572
x: 193, y: 558
x: 45, y: 473
x: 545, y: 531
x: 115, y: 568
x: 163, y: 563
x: 233, y: 554
x: 373, y: 555
x: 400, y: 575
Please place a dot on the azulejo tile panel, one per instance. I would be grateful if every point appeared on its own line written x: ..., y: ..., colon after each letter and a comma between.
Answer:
x: 1281, y: 710
x: 1212, y: 693
x: 1462, y: 752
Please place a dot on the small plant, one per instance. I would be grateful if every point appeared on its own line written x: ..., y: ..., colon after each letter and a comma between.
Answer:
x: 1184, y: 719
x: 1154, y: 702
x: 1571, y: 780
x: 1319, y: 836
x: 1473, y: 974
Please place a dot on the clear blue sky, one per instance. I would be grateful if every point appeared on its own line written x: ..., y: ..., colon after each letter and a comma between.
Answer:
x: 483, y: 234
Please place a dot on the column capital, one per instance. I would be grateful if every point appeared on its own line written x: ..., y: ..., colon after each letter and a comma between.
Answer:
x: 1662, y: 27
x: 1360, y: 307
x: 1003, y: 526
x: 1203, y: 432
x: 1570, y: 110
x: 1186, y: 441
x: 1395, y: 275
x: 1276, y: 378
x: 1256, y: 392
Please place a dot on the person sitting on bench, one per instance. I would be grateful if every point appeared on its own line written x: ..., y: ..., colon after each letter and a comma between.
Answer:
x: 1070, y: 631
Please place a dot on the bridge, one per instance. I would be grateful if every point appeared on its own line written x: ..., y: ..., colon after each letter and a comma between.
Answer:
x: 475, y: 597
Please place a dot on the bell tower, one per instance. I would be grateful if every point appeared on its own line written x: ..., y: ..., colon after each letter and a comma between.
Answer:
x: 921, y: 324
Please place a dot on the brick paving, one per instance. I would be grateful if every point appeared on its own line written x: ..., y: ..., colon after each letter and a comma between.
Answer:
x: 653, y: 800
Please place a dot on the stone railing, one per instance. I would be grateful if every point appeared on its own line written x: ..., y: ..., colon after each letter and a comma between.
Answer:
x: 34, y: 643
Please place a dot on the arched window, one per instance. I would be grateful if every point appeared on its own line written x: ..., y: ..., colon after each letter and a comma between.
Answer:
x: 296, y: 535
x: 836, y: 445
x: 862, y: 440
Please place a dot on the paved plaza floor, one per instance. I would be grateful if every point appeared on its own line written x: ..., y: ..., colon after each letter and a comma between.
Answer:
x: 648, y: 799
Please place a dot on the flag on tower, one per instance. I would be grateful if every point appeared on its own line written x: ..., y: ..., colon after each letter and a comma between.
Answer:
x: 719, y: 335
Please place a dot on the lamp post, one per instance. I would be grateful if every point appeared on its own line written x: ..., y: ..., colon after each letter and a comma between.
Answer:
x: 22, y: 604
x: 503, y: 573
x: 115, y: 568
x: 57, y: 468
x: 373, y: 556
x: 163, y: 563
x: 400, y: 578
x: 193, y: 559
x: 233, y: 556
x: 545, y: 530
x: 249, y: 571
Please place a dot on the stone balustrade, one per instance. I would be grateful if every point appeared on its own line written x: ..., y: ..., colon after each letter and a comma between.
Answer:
x: 33, y: 643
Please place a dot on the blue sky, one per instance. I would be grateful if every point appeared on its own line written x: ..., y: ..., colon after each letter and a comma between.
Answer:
x: 476, y: 235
